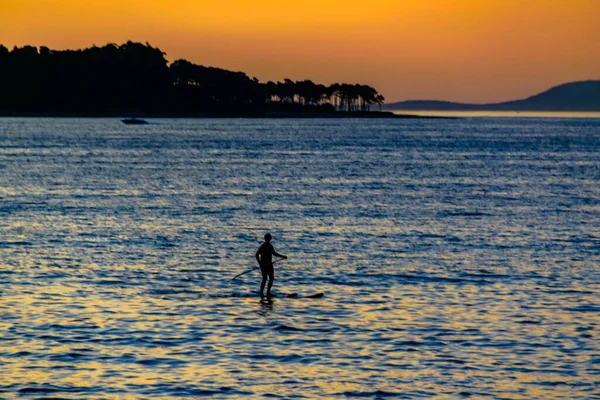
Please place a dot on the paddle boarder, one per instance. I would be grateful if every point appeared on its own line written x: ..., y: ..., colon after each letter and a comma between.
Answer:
x: 265, y: 261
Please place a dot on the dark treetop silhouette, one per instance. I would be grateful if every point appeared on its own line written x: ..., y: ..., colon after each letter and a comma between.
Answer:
x: 136, y: 79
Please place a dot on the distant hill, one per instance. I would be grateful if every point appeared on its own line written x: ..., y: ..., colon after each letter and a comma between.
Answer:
x: 574, y: 96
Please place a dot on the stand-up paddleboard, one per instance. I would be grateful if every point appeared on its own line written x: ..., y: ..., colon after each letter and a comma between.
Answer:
x: 310, y: 296
x: 269, y: 300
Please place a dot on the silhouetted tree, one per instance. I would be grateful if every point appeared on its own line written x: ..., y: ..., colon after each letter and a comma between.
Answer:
x: 379, y: 100
x: 136, y: 78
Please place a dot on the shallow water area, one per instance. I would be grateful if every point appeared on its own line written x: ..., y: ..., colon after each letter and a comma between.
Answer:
x: 458, y: 258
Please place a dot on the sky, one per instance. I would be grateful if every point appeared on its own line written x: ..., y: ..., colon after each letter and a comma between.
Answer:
x: 458, y: 50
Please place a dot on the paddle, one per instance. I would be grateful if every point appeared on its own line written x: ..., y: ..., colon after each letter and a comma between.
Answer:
x: 253, y: 269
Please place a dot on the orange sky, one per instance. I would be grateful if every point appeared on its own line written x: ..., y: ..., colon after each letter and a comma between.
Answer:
x: 459, y: 50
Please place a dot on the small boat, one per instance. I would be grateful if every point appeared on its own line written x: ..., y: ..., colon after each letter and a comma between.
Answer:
x: 134, y: 121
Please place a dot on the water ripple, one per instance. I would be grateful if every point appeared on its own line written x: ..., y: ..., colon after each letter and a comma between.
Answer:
x: 458, y: 259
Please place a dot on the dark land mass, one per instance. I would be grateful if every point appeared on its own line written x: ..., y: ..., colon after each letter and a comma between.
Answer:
x: 136, y: 80
x: 574, y: 96
x: 305, y: 113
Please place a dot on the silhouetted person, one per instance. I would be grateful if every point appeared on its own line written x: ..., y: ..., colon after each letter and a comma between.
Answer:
x: 265, y: 260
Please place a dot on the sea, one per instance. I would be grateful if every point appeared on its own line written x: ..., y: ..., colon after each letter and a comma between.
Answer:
x: 458, y: 258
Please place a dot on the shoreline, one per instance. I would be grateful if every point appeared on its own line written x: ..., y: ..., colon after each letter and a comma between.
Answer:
x: 257, y: 115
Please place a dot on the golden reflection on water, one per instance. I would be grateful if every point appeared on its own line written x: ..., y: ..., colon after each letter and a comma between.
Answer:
x: 400, y: 326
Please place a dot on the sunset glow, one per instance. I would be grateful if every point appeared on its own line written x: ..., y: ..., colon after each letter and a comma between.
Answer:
x: 459, y: 50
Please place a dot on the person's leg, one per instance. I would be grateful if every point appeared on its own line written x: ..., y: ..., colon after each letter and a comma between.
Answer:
x: 264, y: 280
x: 272, y: 274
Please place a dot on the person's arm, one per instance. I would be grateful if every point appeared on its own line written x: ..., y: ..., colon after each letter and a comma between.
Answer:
x: 257, y: 255
x: 278, y: 255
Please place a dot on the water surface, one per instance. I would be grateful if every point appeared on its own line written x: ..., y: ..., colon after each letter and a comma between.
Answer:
x: 459, y: 258
x: 504, y: 114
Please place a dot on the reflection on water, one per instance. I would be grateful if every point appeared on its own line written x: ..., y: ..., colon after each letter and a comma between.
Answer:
x: 502, y: 114
x: 266, y: 307
x: 459, y: 258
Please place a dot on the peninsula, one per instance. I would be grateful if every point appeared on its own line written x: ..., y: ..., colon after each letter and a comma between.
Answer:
x: 136, y: 80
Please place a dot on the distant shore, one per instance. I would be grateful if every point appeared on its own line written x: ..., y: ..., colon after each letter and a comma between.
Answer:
x: 136, y: 80
x: 266, y: 115
x: 583, y: 96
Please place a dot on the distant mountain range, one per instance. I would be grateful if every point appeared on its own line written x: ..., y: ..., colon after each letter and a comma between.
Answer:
x: 574, y: 96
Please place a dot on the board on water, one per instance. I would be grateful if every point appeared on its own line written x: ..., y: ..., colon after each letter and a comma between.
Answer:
x: 310, y: 296
x: 292, y: 296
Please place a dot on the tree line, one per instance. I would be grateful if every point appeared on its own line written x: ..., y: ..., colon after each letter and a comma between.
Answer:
x: 135, y: 78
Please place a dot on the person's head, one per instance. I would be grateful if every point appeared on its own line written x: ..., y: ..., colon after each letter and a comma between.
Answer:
x: 268, y: 237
